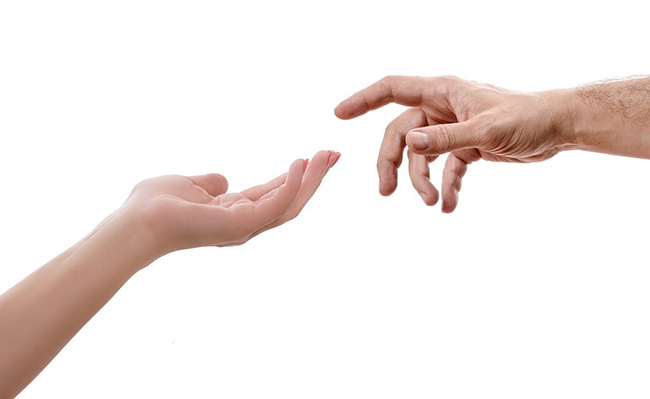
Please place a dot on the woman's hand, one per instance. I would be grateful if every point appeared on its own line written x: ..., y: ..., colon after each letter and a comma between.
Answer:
x: 39, y: 315
x: 180, y: 212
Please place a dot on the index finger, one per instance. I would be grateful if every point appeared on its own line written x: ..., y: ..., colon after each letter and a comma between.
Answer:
x: 404, y: 90
x: 314, y: 174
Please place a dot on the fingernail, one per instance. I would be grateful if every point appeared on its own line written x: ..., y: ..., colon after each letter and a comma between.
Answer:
x: 337, y: 155
x: 329, y: 157
x: 424, y: 197
x: 420, y: 140
x: 304, y: 165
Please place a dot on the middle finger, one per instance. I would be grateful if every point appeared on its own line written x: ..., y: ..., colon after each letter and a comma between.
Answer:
x: 392, y: 147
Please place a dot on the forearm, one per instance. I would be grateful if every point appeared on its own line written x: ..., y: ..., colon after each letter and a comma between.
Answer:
x: 612, y: 117
x: 43, y: 312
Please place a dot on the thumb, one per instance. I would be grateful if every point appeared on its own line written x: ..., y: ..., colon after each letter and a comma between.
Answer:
x: 440, y: 139
x: 213, y: 183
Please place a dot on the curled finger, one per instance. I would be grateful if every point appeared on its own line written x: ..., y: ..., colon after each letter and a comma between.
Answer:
x: 455, y: 169
x: 419, y: 172
x: 316, y: 170
x: 392, y: 147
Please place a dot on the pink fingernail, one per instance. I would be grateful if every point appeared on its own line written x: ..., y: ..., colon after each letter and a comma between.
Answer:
x: 338, y: 155
x: 329, y: 157
x: 304, y: 165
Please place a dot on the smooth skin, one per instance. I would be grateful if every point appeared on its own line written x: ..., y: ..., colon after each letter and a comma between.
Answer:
x: 39, y: 315
x: 472, y: 121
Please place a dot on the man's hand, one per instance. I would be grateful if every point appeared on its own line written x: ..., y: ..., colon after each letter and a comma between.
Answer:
x: 468, y: 120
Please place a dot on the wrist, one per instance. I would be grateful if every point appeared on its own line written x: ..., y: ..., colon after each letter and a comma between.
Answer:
x: 125, y: 239
x: 566, y: 115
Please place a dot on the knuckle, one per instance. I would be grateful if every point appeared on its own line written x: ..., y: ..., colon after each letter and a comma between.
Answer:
x: 409, y: 153
x: 392, y: 128
x: 386, y: 81
x: 487, y: 128
x: 389, y: 78
x: 443, y: 139
x: 385, y: 164
x: 386, y: 84
x: 144, y: 184
x: 489, y: 122
x: 450, y: 79
x: 456, y: 183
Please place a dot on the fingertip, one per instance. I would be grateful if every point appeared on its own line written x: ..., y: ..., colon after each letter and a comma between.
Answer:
x: 417, y: 141
x: 387, y: 172
x: 335, y: 158
x: 332, y: 159
x: 224, y: 181
x: 213, y: 183
x: 321, y: 161
x: 219, y: 177
x: 299, y: 161
x: 339, y: 111
x: 449, y: 201
x: 387, y: 188
x: 423, y: 185
x: 297, y: 169
x: 350, y: 109
x: 387, y: 181
x: 430, y: 198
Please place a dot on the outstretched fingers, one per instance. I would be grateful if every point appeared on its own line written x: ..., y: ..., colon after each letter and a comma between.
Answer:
x: 257, y: 192
x: 234, y: 218
x: 316, y: 170
x: 404, y: 90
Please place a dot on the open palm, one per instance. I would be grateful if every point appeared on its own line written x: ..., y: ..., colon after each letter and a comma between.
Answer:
x: 184, y: 212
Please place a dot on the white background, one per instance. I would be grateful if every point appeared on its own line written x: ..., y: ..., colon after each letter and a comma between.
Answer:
x: 537, y: 286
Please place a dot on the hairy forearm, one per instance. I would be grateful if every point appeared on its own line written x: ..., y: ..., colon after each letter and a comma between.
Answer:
x: 43, y: 312
x: 613, y: 117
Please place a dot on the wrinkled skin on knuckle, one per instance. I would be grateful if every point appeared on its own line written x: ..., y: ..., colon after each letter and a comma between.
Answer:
x: 444, y: 139
x: 450, y: 79
x: 471, y: 99
x: 386, y: 84
x: 489, y: 132
x: 508, y: 137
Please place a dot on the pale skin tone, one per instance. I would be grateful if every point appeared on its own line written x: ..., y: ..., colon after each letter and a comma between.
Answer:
x: 470, y: 121
x: 39, y: 315
x: 467, y: 120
